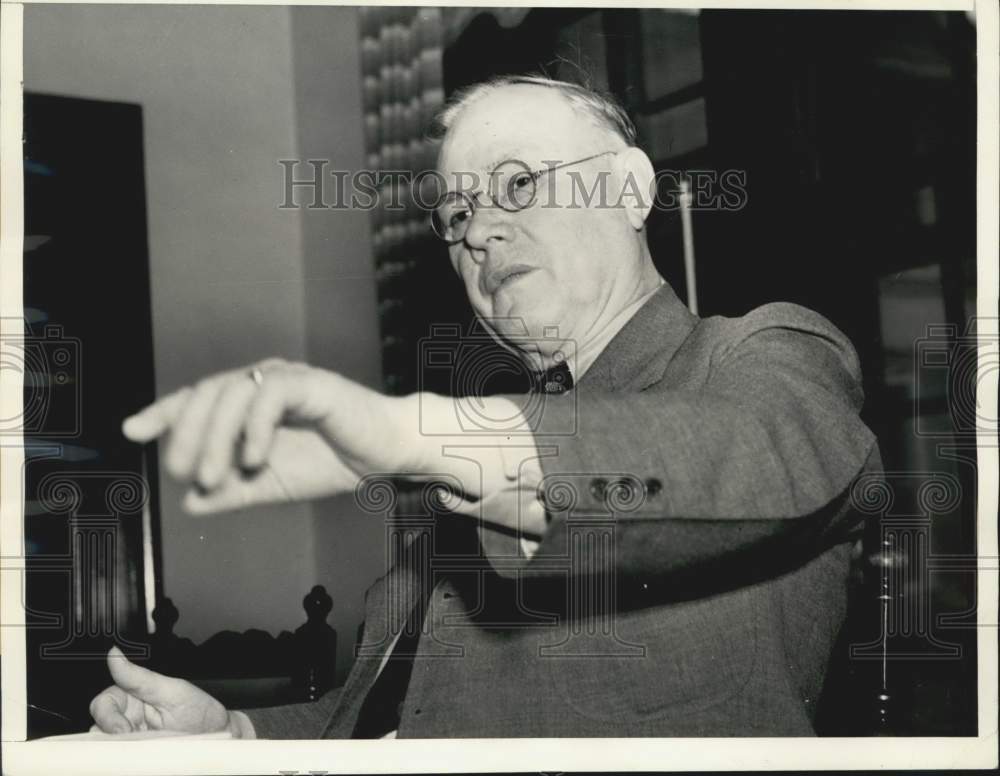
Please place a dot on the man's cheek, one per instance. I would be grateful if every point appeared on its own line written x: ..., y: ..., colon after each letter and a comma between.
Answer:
x: 470, y: 278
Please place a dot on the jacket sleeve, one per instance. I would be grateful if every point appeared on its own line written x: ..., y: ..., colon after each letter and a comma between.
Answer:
x: 294, y: 720
x: 761, y: 456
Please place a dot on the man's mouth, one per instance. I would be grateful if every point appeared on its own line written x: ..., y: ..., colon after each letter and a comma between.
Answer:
x: 502, y: 278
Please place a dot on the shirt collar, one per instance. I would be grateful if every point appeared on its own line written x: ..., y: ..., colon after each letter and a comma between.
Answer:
x: 642, y: 336
x: 638, y: 354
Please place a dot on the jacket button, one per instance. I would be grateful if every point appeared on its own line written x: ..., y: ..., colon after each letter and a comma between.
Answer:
x: 653, y: 486
x: 598, y: 487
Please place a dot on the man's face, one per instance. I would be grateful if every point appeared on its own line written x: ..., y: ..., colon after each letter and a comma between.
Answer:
x: 552, y: 266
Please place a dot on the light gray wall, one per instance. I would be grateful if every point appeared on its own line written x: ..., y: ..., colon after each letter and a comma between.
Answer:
x: 339, y: 274
x: 226, y: 92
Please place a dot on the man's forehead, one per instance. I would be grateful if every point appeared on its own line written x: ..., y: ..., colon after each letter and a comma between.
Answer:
x: 515, y: 120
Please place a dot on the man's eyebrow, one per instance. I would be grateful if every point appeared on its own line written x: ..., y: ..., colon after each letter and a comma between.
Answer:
x: 506, y: 156
x: 489, y: 167
x: 546, y: 160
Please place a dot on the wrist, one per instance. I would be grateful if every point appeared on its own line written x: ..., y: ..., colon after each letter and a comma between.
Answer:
x: 448, y: 439
x: 418, y: 451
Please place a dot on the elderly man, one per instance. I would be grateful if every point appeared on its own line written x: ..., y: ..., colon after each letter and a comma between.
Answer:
x: 660, y: 549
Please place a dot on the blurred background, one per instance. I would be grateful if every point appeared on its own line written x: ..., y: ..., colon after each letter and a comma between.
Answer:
x: 158, y: 250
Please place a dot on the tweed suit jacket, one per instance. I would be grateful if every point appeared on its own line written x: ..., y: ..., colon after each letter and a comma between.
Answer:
x: 693, y: 577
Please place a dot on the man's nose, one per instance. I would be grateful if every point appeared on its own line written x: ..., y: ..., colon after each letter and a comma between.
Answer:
x: 489, y: 224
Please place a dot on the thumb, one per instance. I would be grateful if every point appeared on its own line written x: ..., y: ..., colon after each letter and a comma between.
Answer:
x: 238, y: 491
x: 148, y: 686
x: 227, y: 497
x: 450, y: 501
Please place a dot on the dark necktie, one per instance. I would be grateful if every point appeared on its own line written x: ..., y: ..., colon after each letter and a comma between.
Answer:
x: 381, y: 711
x: 556, y: 379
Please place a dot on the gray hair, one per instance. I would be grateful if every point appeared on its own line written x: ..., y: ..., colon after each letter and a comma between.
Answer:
x: 601, y: 108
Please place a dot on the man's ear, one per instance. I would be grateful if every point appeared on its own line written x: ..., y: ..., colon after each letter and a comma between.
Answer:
x: 637, y: 191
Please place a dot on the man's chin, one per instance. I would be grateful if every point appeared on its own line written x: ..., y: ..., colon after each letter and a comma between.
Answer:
x: 527, y: 315
x: 526, y: 330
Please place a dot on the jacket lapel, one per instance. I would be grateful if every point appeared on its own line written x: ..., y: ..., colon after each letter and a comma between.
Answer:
x: 638, y: 355
x: 387, y: 605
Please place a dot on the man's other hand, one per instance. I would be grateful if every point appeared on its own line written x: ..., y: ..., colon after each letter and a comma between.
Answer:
x: 141, y: 699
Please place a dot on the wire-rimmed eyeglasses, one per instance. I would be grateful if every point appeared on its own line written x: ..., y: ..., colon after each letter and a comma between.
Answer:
x: 512, y: 187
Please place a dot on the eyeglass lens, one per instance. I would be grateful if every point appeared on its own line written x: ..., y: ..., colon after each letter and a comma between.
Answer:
x: 511, y: 187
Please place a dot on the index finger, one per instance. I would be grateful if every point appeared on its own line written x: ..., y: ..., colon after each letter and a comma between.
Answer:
x: 151, y: 422
x: 108, y: 710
